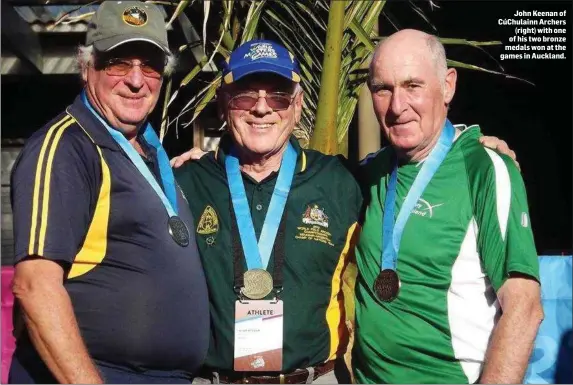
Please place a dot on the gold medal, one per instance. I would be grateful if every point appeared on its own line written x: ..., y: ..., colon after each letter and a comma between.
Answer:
x: 258, y: 283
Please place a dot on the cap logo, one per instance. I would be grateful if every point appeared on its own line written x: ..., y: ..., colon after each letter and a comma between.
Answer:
x: 134, y: 16
x: 261, y: 50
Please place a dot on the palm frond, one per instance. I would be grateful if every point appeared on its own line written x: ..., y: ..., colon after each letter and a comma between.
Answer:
x: 206, y: 10
x: 458, y: 64
x: 180, y: 8
x: 301, y: 26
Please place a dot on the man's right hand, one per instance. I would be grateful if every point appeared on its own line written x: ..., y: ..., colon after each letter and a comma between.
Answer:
x: 194, y: 154
x: 50, y: 321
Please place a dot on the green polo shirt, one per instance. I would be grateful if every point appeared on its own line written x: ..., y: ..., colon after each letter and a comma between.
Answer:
x: 321, y: 215
x: 468, y: 231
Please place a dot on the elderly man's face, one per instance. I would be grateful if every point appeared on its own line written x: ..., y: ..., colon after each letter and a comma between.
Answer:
x: 125, y: 83
x: 261, y: 112
x: 409, y: 99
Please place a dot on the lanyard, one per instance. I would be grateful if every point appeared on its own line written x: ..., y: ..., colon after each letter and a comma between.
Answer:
x: 169, y: 198
x: 278, y: 252
x: 258, y: 254
x: 392, y: 232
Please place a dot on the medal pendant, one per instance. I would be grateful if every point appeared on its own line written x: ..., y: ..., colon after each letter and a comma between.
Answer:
x: 178, y: 231
x: 258, y: 283
x: 387, y: 285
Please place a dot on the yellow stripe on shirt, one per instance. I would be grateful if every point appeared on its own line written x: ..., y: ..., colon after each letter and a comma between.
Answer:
x: 37, y: 181
x: 46, y: 189
x: 303, y: 167
x: 95, y: 246
x: 335, y: 313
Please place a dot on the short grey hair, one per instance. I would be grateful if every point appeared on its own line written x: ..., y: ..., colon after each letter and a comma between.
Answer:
x: 439, y: 57
x: 371, y: 65
x: 86, y: 56
x: 437, y: 51
x: 297, y: 88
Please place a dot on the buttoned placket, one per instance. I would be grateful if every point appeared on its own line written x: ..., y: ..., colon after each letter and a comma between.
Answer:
x: 259, y: 205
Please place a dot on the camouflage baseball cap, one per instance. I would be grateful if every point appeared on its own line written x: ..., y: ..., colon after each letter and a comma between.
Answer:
x: 119, y: 22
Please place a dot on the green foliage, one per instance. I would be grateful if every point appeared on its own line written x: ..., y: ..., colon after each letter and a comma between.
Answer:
x: 302, y: 27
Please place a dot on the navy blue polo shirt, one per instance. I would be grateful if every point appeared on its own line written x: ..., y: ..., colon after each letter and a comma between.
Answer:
x: 139, y: 298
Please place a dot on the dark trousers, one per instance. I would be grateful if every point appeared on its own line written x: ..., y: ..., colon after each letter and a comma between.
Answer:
x: 32, y: 370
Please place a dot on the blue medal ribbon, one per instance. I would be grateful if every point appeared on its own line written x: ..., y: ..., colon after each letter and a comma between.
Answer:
x: 169, y: 197
x: 258, y: 254
x: 392, y: 232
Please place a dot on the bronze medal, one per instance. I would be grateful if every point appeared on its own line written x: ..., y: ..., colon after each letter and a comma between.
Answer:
x: 386, y: 285
x: 258, y: 283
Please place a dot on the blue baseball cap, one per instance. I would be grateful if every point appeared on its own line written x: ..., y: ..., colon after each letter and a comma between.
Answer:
x: 258, y: 56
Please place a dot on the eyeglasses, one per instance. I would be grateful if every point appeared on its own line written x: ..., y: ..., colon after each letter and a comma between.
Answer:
x: 278, y: 101
x: 121, y: 67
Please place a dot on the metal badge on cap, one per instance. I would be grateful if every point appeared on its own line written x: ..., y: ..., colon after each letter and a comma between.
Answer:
x: 134, y: 16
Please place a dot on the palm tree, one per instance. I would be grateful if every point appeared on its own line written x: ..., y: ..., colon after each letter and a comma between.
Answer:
x: 332, y: 39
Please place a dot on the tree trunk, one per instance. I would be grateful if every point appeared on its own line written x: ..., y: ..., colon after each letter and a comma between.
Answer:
x: 324, y: 137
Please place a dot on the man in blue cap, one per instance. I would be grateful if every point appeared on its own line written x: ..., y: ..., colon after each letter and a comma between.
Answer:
x: 273, y: 226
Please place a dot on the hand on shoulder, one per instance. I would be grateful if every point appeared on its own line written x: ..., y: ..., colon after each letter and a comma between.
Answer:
x: 193, y: 154
x: 500, y: 146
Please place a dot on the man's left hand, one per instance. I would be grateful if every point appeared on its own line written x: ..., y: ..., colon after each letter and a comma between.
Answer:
x: 513, y: 338
x: 501, y: 146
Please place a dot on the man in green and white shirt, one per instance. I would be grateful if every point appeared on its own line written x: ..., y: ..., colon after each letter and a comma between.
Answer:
x: 468, y: 306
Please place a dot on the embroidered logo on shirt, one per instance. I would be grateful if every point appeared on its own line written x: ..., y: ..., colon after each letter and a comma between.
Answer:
x: 423, y: 208
x: 316, y: 222
x: 315, y: 216
x: 209, y: 222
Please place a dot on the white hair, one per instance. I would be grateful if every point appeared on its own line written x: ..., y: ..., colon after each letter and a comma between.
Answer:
x: 86, y: 56
x: 297, y: 88
x: 439, y: 57
x: 437, y: 51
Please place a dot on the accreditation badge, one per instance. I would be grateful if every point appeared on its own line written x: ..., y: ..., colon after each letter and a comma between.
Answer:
x: 258, y: 336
